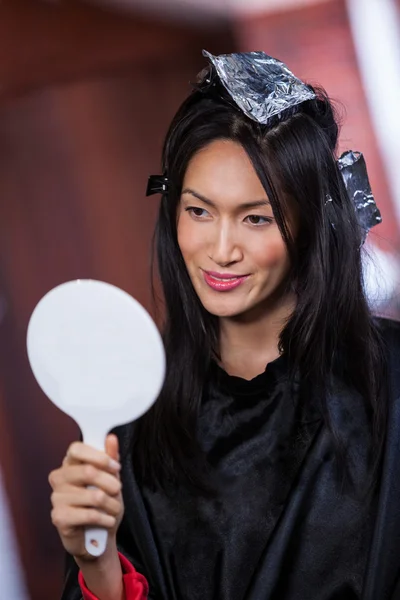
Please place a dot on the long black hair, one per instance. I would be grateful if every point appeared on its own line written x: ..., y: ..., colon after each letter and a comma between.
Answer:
x: 331, y: 333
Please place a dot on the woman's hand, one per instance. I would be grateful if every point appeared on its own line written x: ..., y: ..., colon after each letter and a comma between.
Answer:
x: 76, y: 507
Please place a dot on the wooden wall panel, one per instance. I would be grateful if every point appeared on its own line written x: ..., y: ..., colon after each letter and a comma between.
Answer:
x: 75, y: 154
x: 44, y: 41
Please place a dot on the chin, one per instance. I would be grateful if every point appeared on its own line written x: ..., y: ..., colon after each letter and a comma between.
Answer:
x: 224, y: 309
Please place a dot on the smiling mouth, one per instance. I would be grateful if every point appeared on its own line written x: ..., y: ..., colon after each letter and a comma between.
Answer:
x: 222, y: 282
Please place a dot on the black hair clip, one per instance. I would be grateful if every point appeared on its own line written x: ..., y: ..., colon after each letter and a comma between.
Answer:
x: 157, y: 184
x: 205, y: 80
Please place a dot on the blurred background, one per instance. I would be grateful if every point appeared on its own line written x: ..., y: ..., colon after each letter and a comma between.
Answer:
x: 87, y: 90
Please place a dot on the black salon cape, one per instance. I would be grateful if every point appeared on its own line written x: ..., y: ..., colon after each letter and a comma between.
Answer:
x: 281, y: 527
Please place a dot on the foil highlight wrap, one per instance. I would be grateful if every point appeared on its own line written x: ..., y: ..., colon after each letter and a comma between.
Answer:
x: 260, y: 85
x: 354, y: 173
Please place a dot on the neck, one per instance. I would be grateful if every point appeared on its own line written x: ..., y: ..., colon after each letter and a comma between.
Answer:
x: 250, y: 341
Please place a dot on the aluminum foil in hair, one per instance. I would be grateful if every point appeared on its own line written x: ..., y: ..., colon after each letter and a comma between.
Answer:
x: 354, y: 172
x: 260, y: 85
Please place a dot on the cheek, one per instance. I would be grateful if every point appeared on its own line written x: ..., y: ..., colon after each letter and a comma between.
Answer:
x: 273, y: 254
x: 188, y: 241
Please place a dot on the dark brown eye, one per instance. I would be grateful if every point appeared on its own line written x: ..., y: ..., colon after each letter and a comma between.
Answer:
x: 258, y: 220
x: 196, y: 211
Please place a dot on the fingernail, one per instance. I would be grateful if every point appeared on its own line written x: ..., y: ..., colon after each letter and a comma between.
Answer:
x: 114, y: 465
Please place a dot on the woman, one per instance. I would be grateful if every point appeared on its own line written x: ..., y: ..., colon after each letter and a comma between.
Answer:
x: 261, y: 471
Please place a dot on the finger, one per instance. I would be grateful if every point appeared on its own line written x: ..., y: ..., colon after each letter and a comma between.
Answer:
x: 66, y: 518
x: 112, y: 447
x: 83, y: 476
x: 78, y: 452
x: 84, y: 498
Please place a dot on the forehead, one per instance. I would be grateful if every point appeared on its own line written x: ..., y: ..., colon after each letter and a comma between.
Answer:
x: 223, y: 172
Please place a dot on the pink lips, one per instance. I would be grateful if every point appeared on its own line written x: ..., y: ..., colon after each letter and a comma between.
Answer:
x: 223, y: 282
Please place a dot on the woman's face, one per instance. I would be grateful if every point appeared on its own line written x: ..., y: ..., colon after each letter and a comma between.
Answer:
x: 229, y: 239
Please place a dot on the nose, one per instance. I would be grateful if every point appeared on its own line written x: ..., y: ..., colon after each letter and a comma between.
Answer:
x: 225, y: 248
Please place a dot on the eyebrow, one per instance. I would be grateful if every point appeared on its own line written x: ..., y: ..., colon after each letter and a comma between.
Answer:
x: 244, y: 205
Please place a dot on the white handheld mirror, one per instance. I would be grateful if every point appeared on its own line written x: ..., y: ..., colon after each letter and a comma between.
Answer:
x: 98, y: 356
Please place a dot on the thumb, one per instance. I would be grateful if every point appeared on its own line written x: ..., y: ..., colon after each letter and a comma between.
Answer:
x: 112, y: 447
